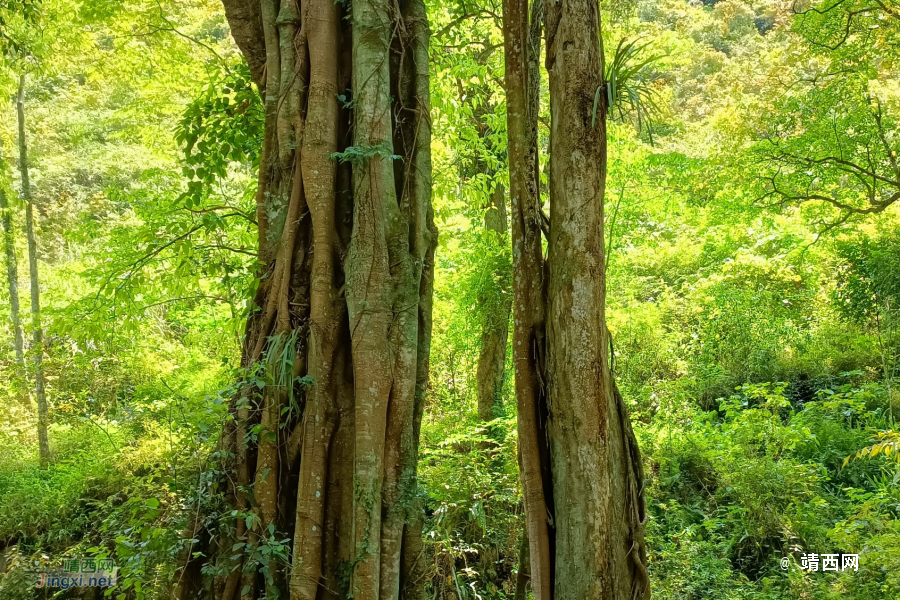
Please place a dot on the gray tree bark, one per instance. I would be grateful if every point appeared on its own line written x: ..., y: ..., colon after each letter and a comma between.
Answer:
x: 581, y: 469
x: 12, y: 273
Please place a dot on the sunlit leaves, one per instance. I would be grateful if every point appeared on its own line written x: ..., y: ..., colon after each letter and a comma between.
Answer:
x: 629, y: 81
x: 834, y: 138
x: 223, y: 126
x: 868, y: 283
x: 16, y: 15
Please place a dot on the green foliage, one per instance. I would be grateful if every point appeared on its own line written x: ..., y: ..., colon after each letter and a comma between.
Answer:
x: 28, y: 12
x: 356, y: 155
x: 869, y: 284
x: 760, y: 482
x: 759, y: 358
x: 473, y: 498
x: 221, y: 129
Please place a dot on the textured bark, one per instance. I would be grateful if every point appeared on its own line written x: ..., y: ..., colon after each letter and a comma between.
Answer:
x: 12, y: 273
x: 246, y: 28
x: 522, y: 48
x: 579, y: 458
x: 37, y: 331
x: 325, y: 453
x: 596, y: 468
x: 524, y: 573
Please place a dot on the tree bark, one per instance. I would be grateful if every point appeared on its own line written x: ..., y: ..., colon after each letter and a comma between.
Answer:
x: 12, y: 273
x: 522, y: 40
x: 326, y: 450
x: 37, y: 331
x: 524, y: 572
x: 579, y: 458
x: 491, y: 371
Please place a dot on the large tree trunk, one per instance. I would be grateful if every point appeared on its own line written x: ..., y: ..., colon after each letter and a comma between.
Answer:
x: 326, y: 452
x: 37, y: 331
x: 590, y: 544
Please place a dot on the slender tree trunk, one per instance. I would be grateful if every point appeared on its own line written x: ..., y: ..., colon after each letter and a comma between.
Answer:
x: 326, y: 451
x: 522, y: 41
x: 524, y: 573
x: 12, y: 273
x: 36, y: 330
x: 496, y: 304
x: 591, y: 544
x: 496, y: 307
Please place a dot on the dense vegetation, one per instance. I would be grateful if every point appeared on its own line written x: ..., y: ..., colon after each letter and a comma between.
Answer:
x: 753, y: 290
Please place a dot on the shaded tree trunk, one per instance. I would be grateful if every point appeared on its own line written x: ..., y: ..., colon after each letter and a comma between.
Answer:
x: 495, y: 320
x: 581, y: 470
x: 325, y: 451
x: 522, y: 39
x: 524, y: 573
x: 37, y: 331
x: 12, y: 273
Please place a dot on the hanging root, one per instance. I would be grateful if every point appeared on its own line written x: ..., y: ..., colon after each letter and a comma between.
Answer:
x: 636, y: 509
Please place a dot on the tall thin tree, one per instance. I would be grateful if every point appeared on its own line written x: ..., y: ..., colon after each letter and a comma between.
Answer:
x: 12, y: 273
x: 37, y: 332
x: 522, y: 50
x: 326, y: 451
x: 496, y: 304
x: 581, y: 468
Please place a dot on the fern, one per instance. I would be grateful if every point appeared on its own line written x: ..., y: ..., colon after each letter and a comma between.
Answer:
x: 357, y: 154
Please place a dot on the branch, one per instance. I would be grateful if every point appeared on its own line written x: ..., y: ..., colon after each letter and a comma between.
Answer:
x: 254, y: 253
x: 847, y: 26
x: 464, y: 17
x: 237, y: 212
x: 171, y: 300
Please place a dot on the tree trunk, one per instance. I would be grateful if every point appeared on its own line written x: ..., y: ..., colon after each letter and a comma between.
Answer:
x: 583, y: 471
x: 495, y: 320
x: 326, y: 450
x: 12, y: 273
x: 524, y: 572
x: 522, y: 49
x: 496, y: 303
x: 36, y: 330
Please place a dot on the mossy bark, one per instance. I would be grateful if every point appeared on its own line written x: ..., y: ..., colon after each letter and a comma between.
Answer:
x: 581, y: 469
x: 346, y: 248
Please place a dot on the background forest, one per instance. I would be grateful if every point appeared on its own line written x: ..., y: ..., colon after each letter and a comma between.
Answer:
x: 753, y: 288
